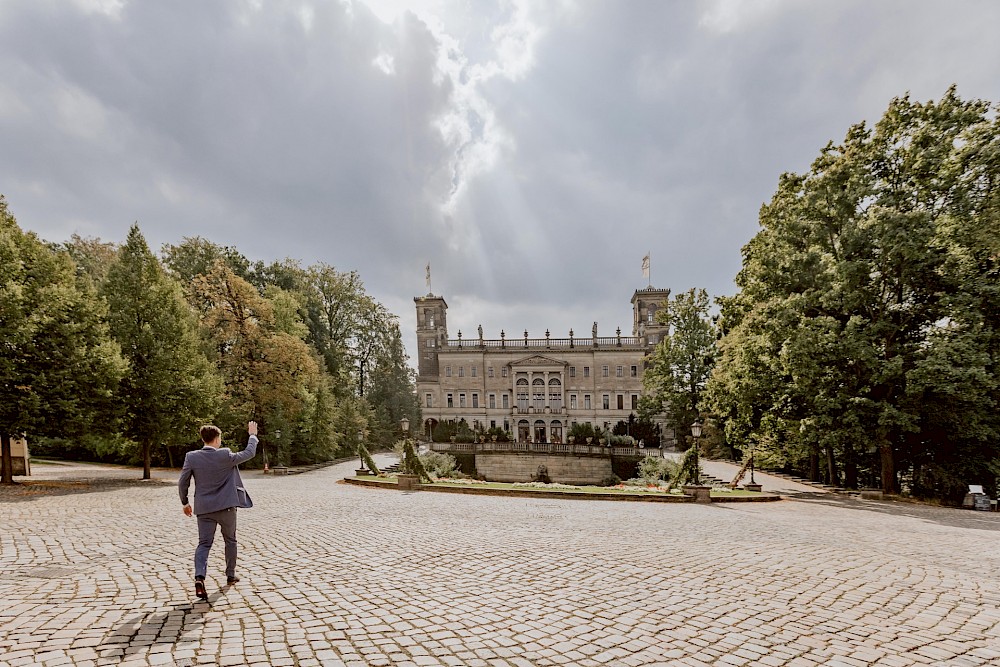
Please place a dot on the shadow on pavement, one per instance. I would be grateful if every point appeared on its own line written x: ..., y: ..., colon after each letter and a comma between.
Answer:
x: 945, y: 516
x: 35, y: 489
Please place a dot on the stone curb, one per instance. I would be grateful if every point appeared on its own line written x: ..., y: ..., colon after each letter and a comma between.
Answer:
x: 528, y: 493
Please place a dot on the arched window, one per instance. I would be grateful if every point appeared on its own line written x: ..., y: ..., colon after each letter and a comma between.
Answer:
x: 555, y: 394
x: 522, y: 395
x: 540, y: 435
x: 555, y: 431
x: 523, y: 430
x: 538, y: 394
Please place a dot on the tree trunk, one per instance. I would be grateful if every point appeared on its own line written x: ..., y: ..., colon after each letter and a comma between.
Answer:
x: 851, y: 473
x: 6, y: 459
x: 888, y: 466
x: 814, y: 465
x: 147, y: 451
x: 831, y: 467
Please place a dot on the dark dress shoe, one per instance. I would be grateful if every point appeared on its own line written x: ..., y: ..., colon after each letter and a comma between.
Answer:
x: 199, y: 589
x: 231, y: 580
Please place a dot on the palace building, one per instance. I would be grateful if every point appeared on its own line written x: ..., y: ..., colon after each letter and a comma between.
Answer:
x: 534, y: 388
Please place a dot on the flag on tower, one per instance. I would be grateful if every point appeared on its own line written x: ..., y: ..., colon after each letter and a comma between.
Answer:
x: 645, y: 266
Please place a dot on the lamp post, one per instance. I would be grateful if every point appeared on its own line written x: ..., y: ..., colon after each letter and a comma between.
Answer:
x: 752, y: 449
x: 696, y: 433
x: 277, y: 446
x: 702, y: 494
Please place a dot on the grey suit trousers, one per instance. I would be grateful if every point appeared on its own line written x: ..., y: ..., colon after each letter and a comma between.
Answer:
x: 226, y: 520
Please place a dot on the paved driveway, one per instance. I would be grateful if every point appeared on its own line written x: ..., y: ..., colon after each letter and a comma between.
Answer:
x: 336, y: 575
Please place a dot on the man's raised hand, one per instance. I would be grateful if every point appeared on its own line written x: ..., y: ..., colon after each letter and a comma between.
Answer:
x: 252, y: 428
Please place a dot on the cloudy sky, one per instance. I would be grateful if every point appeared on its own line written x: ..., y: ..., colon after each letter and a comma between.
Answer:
x: 532, y: 152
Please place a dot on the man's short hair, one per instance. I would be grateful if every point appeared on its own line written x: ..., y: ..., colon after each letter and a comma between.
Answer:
x: 209, y: 433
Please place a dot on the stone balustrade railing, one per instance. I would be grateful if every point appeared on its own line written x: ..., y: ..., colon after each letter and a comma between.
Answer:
x: 566, y: 449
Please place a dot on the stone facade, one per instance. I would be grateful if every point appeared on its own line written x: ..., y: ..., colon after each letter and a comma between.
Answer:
x: 510, y: 467
x: 534, y: 388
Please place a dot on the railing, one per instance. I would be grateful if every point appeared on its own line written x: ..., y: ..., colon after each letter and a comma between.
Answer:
x: 530, y: 410
x: 548, y: 343
x: 561, y: 448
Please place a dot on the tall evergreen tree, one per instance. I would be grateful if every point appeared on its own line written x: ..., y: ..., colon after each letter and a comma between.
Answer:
x: 171, y: 386
x: 58, y: 365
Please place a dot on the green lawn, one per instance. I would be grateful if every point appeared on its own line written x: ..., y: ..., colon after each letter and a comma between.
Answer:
x: 596, y: 490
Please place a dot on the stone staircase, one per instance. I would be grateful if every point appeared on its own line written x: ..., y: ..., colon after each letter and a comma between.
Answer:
x: 808, y: 482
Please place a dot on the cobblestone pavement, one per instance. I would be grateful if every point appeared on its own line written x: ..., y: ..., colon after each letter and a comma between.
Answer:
x: 341, y: 575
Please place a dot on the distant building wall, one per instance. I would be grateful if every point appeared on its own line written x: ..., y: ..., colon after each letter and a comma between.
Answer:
x: 508, y: 467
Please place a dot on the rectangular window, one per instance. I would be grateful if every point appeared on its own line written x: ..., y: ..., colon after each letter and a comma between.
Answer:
x: 605, y: 401
x: 506, y: 401
x: 428, y: 401
x: 461, y: 400
x: 635, y: 401
x: 586, y: 401
x: 621, y: 402
x: 474, y: 371
x: 604, y: 372
x: 475, y: 400
x: 461, y: 371
x: 451, y: 400
x: 635, y: 371
x: 493, y: 423
x: 619, y: 371
x: 503, y: 371
x: 493, y: 401
x: 506, y: 425
x: 489, y: 372
x: 586, y: 371
x: 430, y: 342
x: 572, y: 371
x: 447, y: 371
x: 572, y: 401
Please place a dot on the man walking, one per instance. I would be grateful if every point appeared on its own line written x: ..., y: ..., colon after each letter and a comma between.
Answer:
x: 218, y: 492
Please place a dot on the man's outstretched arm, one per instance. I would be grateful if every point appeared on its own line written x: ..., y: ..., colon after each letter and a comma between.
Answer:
x: 251, y: 449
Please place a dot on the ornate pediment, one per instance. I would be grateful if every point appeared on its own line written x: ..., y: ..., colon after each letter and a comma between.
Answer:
x: 537, y: 361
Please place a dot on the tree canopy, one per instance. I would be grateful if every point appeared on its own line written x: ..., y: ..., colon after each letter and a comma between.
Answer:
x: 865, y: 331
x: 111, y: 352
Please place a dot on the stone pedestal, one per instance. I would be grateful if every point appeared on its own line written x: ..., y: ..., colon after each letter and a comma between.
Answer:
x: 701, y: 493
x: 361, y: 472
x: 408, y: 482
x: 753, y: 487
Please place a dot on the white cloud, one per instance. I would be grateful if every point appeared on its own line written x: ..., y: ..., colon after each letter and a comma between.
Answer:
x: 724, y: 16
x: 385, y: 63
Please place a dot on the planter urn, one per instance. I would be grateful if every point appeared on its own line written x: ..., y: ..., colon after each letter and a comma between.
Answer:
x: 701, y: 493
x: 408, y: 482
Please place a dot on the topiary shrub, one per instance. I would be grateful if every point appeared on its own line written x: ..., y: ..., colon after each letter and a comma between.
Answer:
x: 367, y: 458
x: 688, y: 473
x: 611, y: 480
x: 411, y: 462
x: 439, y: 464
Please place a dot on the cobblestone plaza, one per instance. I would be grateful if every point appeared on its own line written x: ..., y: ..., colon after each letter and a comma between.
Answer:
x: 338, y: 575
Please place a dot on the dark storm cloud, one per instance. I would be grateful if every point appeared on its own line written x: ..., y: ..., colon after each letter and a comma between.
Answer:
x: 532, y: 152
x: 260, y: 128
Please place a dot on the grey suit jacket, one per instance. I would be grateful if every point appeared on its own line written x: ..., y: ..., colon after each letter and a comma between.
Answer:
x: 216, y: 478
